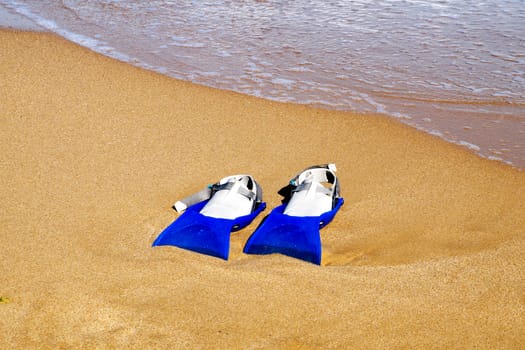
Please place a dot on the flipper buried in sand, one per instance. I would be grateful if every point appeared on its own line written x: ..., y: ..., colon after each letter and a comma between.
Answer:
x: 311, y: 201
x: 212, y: 214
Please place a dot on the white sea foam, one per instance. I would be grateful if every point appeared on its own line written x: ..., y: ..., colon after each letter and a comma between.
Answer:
x: 282, y: 81
x: 11, y: 19
x: 469, y: 145
x: 92, y: 43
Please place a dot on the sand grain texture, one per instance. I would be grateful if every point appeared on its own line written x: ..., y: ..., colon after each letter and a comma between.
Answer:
x: 427, y: 251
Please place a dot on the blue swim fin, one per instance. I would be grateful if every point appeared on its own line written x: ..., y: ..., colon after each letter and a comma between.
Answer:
x: 295, y: 236
x: 293, y: 228
x: 203, y: 234
x: 205, y: 226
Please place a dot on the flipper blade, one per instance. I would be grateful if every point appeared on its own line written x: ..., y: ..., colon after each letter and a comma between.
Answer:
x: 196, y: 232
x: 202, y: 234
x: 288, y: 235
x: 294, y: 236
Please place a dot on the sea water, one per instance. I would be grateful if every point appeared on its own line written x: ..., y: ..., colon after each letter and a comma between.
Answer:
x: 452, y: 68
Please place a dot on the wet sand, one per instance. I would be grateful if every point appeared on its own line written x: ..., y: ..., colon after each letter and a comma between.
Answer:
x: 427, y: 251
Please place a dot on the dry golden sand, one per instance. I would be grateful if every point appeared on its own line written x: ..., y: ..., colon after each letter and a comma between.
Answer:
x: 427, y: 252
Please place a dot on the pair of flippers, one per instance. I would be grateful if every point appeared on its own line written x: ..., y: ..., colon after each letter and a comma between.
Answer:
x: 311, y: 200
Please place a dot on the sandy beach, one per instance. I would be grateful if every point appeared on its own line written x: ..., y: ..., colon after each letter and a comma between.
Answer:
x: 427, y: 251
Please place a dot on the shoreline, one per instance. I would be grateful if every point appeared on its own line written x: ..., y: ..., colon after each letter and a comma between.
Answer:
x: 426, y: 252
x: 496, y: 138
